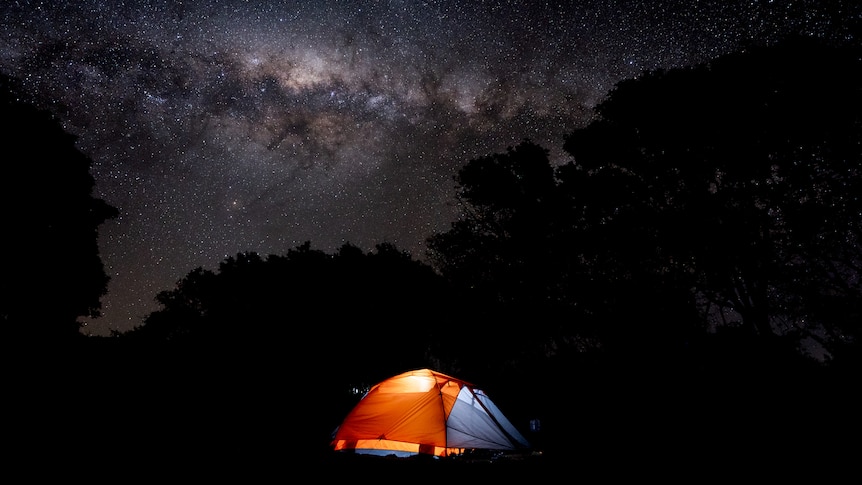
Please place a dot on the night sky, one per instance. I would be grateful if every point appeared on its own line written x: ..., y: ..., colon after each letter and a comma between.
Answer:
x: 219, y: 127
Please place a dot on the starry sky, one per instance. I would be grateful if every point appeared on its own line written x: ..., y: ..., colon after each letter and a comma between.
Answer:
x: 219, y: 127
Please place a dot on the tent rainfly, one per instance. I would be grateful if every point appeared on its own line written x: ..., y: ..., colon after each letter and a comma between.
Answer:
x: 424, y: 411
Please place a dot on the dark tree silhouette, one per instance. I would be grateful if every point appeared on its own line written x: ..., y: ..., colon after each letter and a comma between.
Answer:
x: 512, y: 260
x: 534, y: 262
x: 741, y: 177
x: 377, y: 311
x: 507, y: 201
x: 52, y: 272
x: 717, y: 196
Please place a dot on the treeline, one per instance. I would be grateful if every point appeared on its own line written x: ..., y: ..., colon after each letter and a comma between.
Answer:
x: 703, y: 207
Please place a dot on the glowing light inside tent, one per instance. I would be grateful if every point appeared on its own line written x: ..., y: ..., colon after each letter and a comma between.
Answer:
x: 408, y: 384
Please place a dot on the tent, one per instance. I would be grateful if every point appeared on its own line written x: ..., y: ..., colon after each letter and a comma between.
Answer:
x: 424, y: 411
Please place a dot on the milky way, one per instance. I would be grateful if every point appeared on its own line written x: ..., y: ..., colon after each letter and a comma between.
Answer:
x: 218, y: 127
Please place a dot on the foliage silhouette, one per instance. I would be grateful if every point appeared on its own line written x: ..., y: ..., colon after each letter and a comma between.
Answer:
x: 741, y: 174
x: 513, y: 263
x: 528, y: 255
x: 713, y: 196
x: 53, y: 273
x: 376, y: 311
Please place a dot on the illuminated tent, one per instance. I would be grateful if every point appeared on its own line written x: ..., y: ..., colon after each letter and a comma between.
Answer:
x: 423, y: 411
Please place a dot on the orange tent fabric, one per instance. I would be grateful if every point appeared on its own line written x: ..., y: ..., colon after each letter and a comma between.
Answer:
x: 424, y: 411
